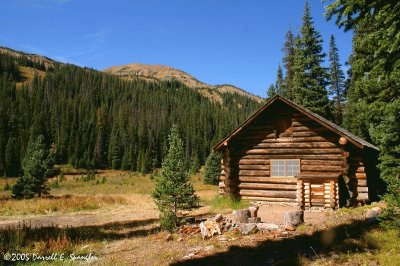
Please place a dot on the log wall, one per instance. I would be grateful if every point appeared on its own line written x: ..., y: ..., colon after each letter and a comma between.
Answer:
x: 317, y: 148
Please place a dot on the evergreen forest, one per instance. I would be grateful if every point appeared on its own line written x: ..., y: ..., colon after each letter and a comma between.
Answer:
x: 95, y: 120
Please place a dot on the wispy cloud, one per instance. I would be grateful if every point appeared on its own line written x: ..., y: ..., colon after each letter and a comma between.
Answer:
x: 98, y: 37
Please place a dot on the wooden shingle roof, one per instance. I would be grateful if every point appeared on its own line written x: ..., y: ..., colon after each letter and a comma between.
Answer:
x: 359, y: 142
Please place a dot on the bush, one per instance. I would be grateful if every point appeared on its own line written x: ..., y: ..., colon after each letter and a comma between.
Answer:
x: 168, y: 220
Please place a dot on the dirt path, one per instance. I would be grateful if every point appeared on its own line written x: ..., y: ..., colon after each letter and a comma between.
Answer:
x: 140, y: 209
x: 144, y: 209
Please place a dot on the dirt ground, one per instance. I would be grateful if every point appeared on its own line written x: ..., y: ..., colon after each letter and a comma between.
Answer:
x: 146, y: 211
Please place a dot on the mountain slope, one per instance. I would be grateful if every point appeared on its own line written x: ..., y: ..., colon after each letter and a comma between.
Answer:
x: 92, y: 119
x: 166, y: 73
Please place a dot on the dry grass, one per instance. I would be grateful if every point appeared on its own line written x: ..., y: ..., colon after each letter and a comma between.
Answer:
x: 28, y: 73
x: 64, y: 204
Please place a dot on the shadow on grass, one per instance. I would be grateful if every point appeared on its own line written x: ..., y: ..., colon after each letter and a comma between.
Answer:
x: 291, y: 251
x: 14, y: 238
x: 24, y: 235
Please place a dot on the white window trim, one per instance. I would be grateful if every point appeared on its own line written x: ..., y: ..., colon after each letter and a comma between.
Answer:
x: 284, y: 168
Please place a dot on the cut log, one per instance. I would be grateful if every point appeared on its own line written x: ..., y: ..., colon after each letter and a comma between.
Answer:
x: 267, y: 186
x: 316, y: 175
x: 274, y: 180
x: 294, y: 218
x: 309, y: 129
x: 298, y: 139
x: 270, y: 199
x: 324, y: 168
x: 240, y: 216
x: 292, y: 151
x: 361, y: 175
x: 360, y: 169
x: 342, y: 141
x: 253, y: 162
x: 293, y: 156
x: 253, y: 211
x: 295, y: 145
x: 362, y: 189
x: 321, y: 162
x: 310, y: 134
x: 253, y: 167
x: 253, y: 173
x: 268, y: 193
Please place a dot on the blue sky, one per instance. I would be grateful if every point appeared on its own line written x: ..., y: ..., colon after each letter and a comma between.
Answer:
x: 218, y: 41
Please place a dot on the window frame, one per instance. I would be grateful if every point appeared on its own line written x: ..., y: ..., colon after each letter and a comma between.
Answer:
x: 284, y: 167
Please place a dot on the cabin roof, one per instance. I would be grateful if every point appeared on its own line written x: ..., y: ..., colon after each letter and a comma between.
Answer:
x: 359, y: 142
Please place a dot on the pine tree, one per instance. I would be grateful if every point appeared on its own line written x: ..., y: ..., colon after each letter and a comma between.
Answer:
x: 37, y: 166
x: 279, y: 83
x: 310, y: 78
x: 212, y: 169
x: 289, y: 49
x: 373, y: 109
x: 195, y: 166
x: 115, y: 150
x: 336, y: 81
x: 271, y: 92
x: 173, y: 191
x: 12, y: 158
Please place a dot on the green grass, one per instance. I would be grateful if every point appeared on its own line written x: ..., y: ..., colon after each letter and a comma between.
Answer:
x: 223, y: 204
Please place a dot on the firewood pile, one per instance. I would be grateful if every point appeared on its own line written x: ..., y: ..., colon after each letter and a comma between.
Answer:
x: 244, y: 221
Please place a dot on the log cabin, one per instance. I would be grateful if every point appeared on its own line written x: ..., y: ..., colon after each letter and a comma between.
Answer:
x: 284, y: 153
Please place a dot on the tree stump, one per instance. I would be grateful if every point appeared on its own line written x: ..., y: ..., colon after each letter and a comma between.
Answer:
x: 253, y: 211
x: 241, y: 216
x: 294, y: 218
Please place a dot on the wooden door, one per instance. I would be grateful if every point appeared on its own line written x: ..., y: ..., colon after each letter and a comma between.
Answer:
x: 313, y: 192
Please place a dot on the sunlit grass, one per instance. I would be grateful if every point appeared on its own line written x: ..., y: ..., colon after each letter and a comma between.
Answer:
x: 225, y: 204
x: 65, y: 204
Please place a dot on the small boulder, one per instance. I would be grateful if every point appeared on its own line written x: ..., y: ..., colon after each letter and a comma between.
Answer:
x: 267, y: 226
x: 373, y: 213
x: 240, y: 216
x: 294, y: 218
x: 254, y: 220
x: 248, y: 228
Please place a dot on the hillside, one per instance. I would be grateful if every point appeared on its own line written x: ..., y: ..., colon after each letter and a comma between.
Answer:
x: 166, y: 73
x: 94, y: 119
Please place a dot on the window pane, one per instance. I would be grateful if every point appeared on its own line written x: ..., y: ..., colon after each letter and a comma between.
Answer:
x: 292, y: 167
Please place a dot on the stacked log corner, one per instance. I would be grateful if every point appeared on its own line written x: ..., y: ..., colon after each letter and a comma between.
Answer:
x: 229, y: 175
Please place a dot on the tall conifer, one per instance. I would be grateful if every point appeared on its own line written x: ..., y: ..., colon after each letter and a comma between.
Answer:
x: 173, y: 191
x: 288, y: 62
x: 310, y: 78
x: 336, y: 81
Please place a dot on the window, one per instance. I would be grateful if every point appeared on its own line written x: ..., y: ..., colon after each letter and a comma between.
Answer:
x: 285, y: 167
